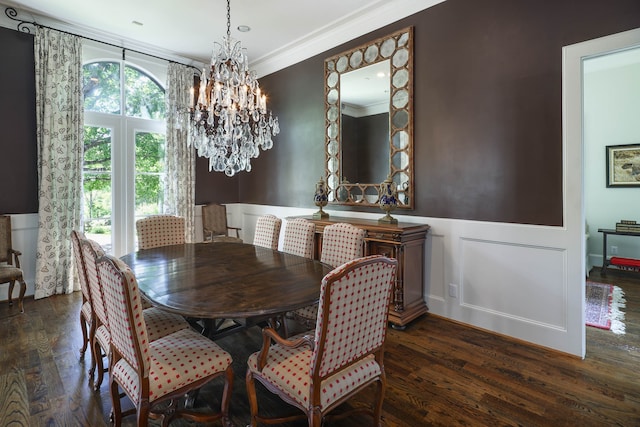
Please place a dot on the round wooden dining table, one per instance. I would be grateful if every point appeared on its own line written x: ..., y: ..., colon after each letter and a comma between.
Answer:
x: 226, y: 280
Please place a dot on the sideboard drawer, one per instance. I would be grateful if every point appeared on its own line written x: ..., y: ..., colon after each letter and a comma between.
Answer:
x: 382, y: 236
x: 381, y: 248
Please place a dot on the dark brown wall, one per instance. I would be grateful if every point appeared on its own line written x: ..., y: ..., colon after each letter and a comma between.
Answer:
x: 214, y: 187
x: 488, y: 109
x: 18, y: 149
x: 488, y: 113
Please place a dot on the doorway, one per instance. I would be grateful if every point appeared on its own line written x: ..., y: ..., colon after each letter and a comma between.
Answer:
x: 573, y: 125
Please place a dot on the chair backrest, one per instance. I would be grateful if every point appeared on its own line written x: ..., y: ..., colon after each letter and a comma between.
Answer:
x: 352, y: 313
x: 91, y: 252
x: 124, y: 309
x: 298, y: 237
x: 160, y: 230
x: 78, y: 261
x: 5, y: 239
x: 341, y: 242
x: 267, y: 231
x: 214, y: 219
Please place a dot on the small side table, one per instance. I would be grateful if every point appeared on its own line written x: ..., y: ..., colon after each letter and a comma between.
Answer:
x: 605, y: 232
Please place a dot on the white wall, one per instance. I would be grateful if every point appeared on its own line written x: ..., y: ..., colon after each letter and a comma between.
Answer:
x: 611, y: 106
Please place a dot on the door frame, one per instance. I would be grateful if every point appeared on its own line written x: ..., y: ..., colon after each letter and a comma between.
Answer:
x: 573, y: 57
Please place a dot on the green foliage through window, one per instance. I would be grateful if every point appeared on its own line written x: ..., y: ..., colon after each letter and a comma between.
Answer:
x: 144, y: 99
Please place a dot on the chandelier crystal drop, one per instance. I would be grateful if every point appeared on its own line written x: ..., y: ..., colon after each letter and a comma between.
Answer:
x: 228, y: 119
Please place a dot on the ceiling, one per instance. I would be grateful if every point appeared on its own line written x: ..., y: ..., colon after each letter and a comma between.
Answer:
x: 282, y: 33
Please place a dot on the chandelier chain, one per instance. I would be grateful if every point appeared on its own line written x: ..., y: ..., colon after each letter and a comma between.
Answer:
x: 229, y: 18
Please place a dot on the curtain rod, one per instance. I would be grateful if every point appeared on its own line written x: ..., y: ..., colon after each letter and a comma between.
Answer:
x: 22, y: 26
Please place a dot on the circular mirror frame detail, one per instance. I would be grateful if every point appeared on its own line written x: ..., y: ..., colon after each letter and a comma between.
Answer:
x: 367, y: 194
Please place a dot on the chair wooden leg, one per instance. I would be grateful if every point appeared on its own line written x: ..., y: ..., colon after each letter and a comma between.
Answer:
x: 92, y: 369
x: 11, y: 283
x: 226, y: 396
x: 116, y: 405
x: 253, y: 399
x: 379, y: 396
x: 85, y: 335
x: 98, y: 362
x: 23, y: 289
x: 142, y: 414
x: 315, y: 417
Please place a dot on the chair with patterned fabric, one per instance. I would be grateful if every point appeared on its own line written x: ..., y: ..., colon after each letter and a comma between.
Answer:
x: 10, y: 271
x: 341, y: 242
x: 298, y: 237
x: 267, y: 232
x: 214, y: 224
x: 86, y: 310
x: 160, y: 230
x: 159, y: 323
x: 154, y: 374
x: 345, y: 355
x: 298, y: 240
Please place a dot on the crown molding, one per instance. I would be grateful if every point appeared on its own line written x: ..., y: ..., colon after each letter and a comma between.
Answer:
x: 92, y: 34
x: 347, y: 28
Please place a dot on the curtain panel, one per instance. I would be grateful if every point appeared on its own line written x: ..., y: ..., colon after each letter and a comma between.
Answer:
x: 59, y: 130
x: 180, y: 155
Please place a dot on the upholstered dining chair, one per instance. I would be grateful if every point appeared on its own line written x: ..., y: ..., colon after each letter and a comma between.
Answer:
x: 160, y: 230
x: 298, y: 237
x: 86, y: 310
x: 10, y: 271
x: 267, y: 232
x: 214, y: 224
x: 341, y: 242
x: 159, y: 323
x: 345, y: 354
x: 153, y: 374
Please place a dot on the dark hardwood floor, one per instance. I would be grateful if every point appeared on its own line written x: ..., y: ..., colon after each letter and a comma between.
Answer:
x: 439, y: 373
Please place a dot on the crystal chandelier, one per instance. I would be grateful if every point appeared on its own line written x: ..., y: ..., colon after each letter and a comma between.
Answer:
x: 229, y: 121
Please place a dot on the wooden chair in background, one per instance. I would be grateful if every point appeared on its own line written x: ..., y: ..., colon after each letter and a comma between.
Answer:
x: 10, y: 271
x: 345, y: 355
x: 214, y: 224
x: 160, y: 230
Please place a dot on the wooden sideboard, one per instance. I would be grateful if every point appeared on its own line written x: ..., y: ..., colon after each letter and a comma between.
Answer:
x: 404, y: 242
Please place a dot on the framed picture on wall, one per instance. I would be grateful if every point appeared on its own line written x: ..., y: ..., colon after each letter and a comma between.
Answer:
x: 623, y: 165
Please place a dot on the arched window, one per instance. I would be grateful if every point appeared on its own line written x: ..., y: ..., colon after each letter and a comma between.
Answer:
x: 124, y: 151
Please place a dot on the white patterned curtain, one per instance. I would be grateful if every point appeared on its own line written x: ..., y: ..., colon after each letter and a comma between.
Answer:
x: 180, y: 156
x: 59, y: 129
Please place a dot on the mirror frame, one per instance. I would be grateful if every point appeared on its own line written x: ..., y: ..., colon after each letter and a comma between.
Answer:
x: 400, y: 137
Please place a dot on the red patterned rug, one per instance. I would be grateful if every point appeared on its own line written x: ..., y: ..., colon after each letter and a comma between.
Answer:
x: 602, y: 308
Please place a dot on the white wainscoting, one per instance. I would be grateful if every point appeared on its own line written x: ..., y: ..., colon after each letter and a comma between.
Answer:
x: 512, y: 279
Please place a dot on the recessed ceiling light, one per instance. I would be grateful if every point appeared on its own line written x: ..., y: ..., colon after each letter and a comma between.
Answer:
x: 244, y: 28
x: 137, y: 23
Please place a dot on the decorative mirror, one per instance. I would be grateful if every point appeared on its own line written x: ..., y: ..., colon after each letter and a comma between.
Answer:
x: 369, y: 121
